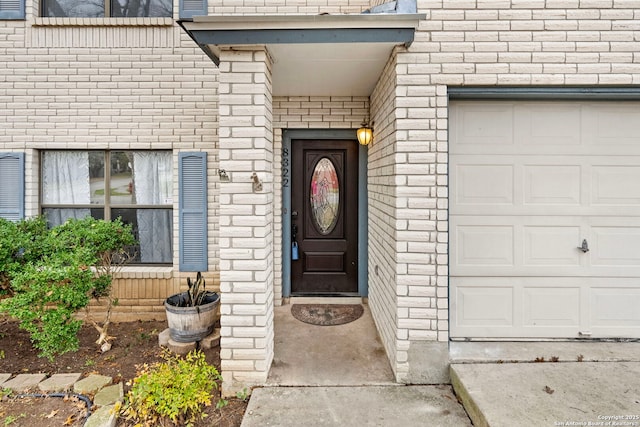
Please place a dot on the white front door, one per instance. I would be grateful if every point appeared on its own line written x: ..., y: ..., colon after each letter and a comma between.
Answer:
x: 530, y: 181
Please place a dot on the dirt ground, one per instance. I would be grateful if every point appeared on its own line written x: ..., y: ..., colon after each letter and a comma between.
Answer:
x: 136, y: 343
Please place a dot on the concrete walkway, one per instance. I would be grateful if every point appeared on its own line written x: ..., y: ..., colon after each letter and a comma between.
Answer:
x: 340, y: 376
x: 548, y: 383
x: 384, y: 406
x: 323, y: 376
x: 550, y: 394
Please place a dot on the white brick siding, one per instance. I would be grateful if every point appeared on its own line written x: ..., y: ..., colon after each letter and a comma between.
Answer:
x: 464, y: 43
x: 246, y: 218
x: 98, y: 84
x: 104, y: 84
x: 289, y: 7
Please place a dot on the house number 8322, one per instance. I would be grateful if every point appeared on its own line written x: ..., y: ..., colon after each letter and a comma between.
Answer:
x: 285, y: 167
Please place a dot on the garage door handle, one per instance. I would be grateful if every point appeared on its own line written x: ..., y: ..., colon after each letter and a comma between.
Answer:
x: 585, y: 246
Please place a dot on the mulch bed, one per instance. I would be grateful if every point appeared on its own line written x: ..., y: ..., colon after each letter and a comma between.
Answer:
x: 136, y: 343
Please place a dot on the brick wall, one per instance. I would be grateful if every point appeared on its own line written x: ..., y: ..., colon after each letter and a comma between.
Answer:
x: 83, y: 84
x: 288, y: 7
x: 306, y: 112
x: 383, y: 294
x: 246, y: 218
x: 134, y: 84
x: 465, y: 43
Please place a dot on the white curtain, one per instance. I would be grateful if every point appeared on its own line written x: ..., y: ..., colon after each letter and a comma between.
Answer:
x: 65, y: 181
x: 152, y: 176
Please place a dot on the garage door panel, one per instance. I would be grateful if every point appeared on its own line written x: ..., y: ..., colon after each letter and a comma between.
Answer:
x: 528, y: 185
x: 484, y: 306
x: 550, y: 306
x: 521, y: 206
x: 616, y: 185
x: 481, y: 245
x: 490, y: 124
x: 612, y: 125
x: 616, y: 246
x: 546, y: 246
x: 615, y: 306
x: 484, y: 184
x: 552, y: 185
x: 544, y: 123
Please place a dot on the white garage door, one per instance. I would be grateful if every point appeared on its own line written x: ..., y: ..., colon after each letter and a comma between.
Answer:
x: 530, y: 181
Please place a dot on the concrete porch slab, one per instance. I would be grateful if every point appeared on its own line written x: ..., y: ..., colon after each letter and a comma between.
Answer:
x: 387, y: 406
x: 343, y: 355
x: 549, y: 394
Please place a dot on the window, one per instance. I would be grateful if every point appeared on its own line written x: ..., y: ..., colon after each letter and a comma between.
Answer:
x: 133, y: 185
x: 107, y: 8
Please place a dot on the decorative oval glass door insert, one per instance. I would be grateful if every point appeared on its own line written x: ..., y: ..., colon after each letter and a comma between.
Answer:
x: 325, y: 196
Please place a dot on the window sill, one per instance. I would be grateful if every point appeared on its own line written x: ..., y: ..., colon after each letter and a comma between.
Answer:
x: 102, y: 22
x: 148, y: 272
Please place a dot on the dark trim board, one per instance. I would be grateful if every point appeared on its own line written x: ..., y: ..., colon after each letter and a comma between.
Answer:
x: 631, y: 93
x: 301, y: 36
x: 287, y: 136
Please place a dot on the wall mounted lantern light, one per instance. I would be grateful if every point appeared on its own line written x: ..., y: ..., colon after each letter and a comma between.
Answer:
x: 365, y: 134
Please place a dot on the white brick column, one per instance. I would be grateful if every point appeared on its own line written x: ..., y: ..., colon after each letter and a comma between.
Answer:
x: 246, y: 218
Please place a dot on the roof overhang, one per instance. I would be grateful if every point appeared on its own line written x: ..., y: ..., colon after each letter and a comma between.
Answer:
x: 321, y: 55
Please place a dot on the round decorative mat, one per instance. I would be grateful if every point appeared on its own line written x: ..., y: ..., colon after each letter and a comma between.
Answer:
x: 327, y: 314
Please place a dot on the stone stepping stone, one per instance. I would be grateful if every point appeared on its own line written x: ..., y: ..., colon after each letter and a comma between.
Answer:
x: 24, y: 382
x: 104, y: 417
x: 91, y: 384
x: 4, y: 377
x: 58, y: 382
x: 109, y: 395
x: 211, y: 341
x: 181, y: 348
x: 164, y: 337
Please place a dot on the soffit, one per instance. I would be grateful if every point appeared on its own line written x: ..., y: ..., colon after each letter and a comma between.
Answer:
x: 313, y: 55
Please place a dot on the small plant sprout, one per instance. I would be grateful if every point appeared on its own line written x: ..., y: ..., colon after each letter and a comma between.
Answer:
x: 10, y: 419
x: 243, y: 395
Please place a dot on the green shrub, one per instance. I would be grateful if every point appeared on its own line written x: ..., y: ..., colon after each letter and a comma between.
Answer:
x: 54, y: 273
x: 176, y: 390
x: 20, y: 243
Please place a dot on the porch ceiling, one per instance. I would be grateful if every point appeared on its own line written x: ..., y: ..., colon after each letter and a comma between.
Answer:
x: 313, y: 55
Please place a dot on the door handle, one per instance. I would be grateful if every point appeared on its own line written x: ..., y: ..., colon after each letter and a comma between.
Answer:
x: 585, y: 246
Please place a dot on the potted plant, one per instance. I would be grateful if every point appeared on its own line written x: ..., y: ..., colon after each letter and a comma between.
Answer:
x: 191, y: 315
